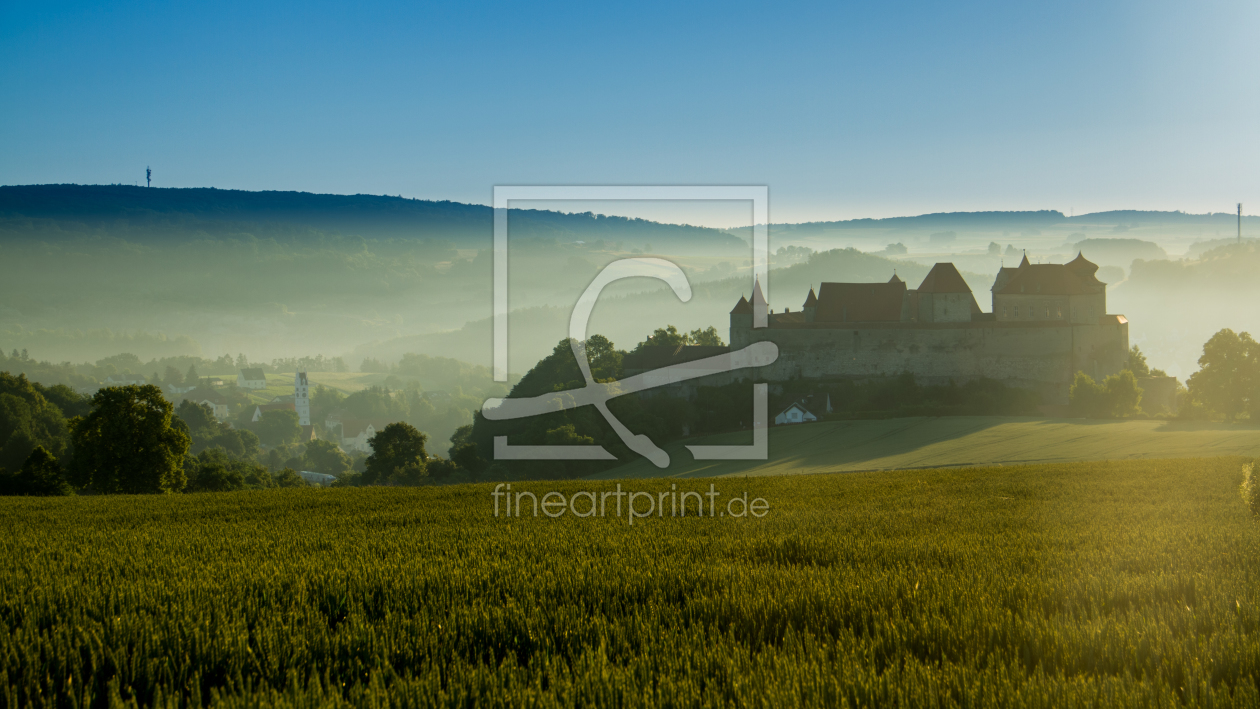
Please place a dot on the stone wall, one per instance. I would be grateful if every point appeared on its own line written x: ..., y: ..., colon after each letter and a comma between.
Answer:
x: 1037, y: 355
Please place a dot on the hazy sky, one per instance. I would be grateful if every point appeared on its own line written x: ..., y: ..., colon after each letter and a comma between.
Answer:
x: 844, y: 110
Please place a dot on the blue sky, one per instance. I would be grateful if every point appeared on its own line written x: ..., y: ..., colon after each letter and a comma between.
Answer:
x: 845, y: 110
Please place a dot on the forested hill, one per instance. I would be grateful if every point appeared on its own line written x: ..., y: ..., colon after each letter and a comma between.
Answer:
x: 145, y: 212
x: 1012, y: 221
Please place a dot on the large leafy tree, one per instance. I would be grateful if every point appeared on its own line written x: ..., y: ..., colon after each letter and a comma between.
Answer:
x: 398, y: 456
x: 207, y: 432
x: 1229, y: 374
x: 42, y: 475
x: 278, y: 427
x: 27, y: 420
x: 1117, y: 396
x: 128, y: 443
x: 325, y: 457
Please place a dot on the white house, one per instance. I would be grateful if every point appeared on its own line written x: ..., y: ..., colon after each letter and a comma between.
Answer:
x: 216, y: 401
x: 218, y: 404
x: 356, y: 434
x: 252, y: 378
x: 796, y: 413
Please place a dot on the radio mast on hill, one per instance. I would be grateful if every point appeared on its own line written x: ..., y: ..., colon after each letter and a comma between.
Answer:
x: 148, y: 177
x: 1240, y: 222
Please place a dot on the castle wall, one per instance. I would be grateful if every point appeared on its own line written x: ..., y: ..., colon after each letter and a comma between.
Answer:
x: 1043, y: 356
x: 1078, y: 309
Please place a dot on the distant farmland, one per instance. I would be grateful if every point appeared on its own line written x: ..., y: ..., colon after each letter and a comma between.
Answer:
x: 1129, y: 583
x: 905, y: 443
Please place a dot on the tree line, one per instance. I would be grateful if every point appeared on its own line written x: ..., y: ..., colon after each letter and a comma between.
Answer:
x: 1225, y: 387
x: 132, y: 440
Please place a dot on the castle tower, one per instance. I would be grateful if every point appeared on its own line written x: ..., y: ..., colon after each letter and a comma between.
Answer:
x: 741, y: 323
x: 811, y: 306
x: 760, y: 308
x: 302, y: 399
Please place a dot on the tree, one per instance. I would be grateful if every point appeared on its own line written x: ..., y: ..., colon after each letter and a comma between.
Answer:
x: 199, y: 417
x: 1116, y: 396
x: 603, y: 357
x: 192, y: 378
x: 398, y: 456
x: 709, y: 337
x: 127, y: 444
x: 40, y: 475
x: 1124, y: 396
x: 278, y: 427
x: 325, y: 457
x: 28, y: 419
x: 667, y: 336
x: 567, y: 435
x: 289, y: 478
x: 1229, y: 374
x: 439, y: 468
x: 172, y: 376
x: 1137, y: 363
x: 371, y: 364
x: 216, y: 477
x: 466, y: 457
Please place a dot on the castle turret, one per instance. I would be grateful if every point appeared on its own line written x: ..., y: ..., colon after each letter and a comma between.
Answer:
x: 811, y: 306
x: 741, y: 323
x: 760, y: 308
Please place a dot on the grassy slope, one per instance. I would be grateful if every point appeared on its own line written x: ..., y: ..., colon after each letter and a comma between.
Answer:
x: 1127, y: 583
x: 953, y: 441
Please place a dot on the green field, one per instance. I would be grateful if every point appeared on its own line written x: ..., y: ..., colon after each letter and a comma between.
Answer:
x: 1124, y: 583
x: 907, y: 443
x: 281, y: 384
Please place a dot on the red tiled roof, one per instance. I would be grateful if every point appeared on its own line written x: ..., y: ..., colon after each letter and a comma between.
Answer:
x: 944, y: 278
x: 860, y: 302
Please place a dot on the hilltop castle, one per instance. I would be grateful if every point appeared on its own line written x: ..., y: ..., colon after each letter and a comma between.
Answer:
x: 1048, y: 321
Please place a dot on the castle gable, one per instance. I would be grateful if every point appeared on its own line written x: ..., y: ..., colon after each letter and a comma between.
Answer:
x: 860, y: 302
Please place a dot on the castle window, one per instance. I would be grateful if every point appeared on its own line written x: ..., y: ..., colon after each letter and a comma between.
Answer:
x: 1047, y: 311
x: 1058, y: 312
x: 1006, y: 310
x: 1030, y: 312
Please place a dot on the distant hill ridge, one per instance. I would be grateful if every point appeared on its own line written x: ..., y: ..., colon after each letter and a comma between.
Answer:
x: 1016, y: 220
x: 374, y: 216
x: 380, y: 216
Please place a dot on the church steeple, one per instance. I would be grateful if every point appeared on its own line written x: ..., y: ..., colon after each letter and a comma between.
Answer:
x: 1025, y: 262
